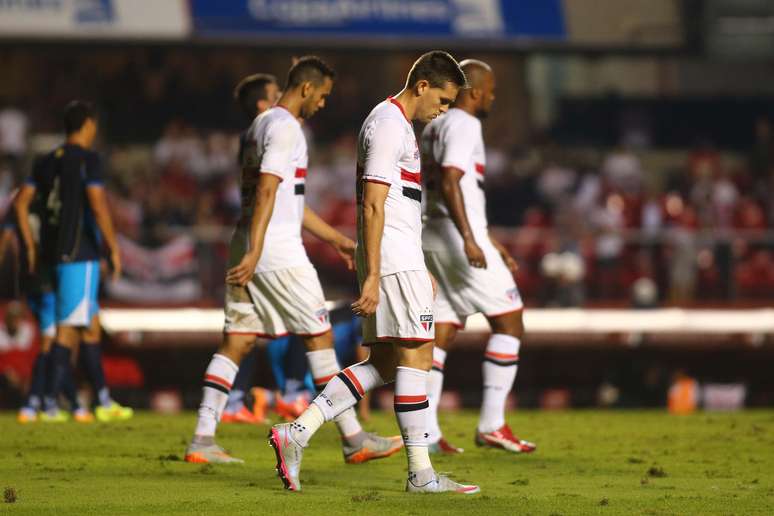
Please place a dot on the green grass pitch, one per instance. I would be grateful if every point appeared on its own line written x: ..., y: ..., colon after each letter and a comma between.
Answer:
x: 587, y: 462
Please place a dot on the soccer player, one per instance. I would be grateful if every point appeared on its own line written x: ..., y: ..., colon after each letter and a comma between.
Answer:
x: 254, y: 94
x: 76, y: 221
x: 37, y: 286
x: 473, y: 270
x: 272, y: 288
x: 396, y: 289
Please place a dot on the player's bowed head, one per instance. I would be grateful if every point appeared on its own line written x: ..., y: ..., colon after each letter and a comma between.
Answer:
x: 310, y: 81
x: 256, y: 93
x: 479, y: 95
x: 431, y: 86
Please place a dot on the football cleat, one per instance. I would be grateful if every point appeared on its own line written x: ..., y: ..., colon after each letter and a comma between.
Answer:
x: 439, y: 484
x: 54, y: 416
x: 289, y: 454
x: 290, y: 410
x: 243, y: 415
x: 503, y: 438
x: 27, y: 415
x: 373, y: 447
x: 82, y: 415
x: 442, y: 446
x: 114, y: 412
x: 209, y: 454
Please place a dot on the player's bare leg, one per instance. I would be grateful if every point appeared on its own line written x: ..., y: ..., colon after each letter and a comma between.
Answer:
x: 358, y: 445
x: 444, y: 336
x: 218, y: 379
x: 364, y: 406
x: 499, y: 371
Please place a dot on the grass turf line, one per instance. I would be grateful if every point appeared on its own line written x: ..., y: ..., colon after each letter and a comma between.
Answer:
x: 587, y: 462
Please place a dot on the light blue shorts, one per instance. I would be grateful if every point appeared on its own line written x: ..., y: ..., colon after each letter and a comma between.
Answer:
x: 43, y: 306
x: 77, y: 285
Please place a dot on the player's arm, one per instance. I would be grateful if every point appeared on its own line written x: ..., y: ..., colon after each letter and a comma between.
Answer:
x: 374, y: 197
x: 99, y: 206
x: 21, y: 206
x: 265, y: 194
x: 6, y: 234
x: 452, y: 197
x: 325, y: 232
x: 510, y: 262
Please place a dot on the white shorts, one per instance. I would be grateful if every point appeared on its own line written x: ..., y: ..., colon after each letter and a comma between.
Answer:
x: 405, y: 309
x: 276, y: 303
x: 464, y: 290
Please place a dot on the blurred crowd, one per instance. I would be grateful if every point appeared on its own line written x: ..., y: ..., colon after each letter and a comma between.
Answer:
x: 641, y: 226
x: 618, y: 226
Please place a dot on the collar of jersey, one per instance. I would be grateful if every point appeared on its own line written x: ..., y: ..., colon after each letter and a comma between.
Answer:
x: 283, y: 107
x: 400, y: 106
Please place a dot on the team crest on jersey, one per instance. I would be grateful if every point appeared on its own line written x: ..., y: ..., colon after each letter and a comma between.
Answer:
x: 322, y: 315
x: 426, y: 320
x: 513, y: 295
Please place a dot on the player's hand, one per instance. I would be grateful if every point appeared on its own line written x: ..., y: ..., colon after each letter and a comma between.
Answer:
x: 346, y: 249
x: 369, y: 298
x: 115, y: 262
x: 242, y: 273
x: 434, y: 283
x: 509, y: 260
x: 475, y: 255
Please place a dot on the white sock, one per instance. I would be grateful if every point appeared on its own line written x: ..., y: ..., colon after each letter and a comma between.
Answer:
x: 499, y: 368
x: 324, y: 366
x: 411, y: 411
x: 304, y: 427
x: 218, y: 378
x: 434, y: 390
x: 341, y: 393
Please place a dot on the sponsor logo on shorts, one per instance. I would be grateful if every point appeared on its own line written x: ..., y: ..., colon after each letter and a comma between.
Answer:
x: 426, y: 320
x: 322, y: 315
x: 513, y: 295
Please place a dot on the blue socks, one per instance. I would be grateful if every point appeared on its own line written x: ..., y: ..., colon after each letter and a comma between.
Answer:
x: 38, y: 383
x: 58, y: 371
x: 91, y: 359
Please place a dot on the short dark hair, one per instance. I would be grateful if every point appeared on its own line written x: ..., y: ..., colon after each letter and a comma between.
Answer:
x: 250, y: 90
x: 76, y: 113
x: 437, y: 68
x: 309, y: 69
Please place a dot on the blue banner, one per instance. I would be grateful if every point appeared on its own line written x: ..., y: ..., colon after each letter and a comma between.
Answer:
x: 380, y: 19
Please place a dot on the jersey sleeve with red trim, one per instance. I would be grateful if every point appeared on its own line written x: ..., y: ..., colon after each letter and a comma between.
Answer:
x: 279, y: 142
x: 384, y: 143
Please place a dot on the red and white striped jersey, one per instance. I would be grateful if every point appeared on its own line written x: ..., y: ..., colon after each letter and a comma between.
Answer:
x: 388, y: 153
x: 275, y: 144
x: 454, y: 140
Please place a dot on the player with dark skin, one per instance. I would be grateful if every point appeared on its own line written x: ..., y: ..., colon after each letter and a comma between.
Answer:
x: 303, y: 102
x: 477, y: 101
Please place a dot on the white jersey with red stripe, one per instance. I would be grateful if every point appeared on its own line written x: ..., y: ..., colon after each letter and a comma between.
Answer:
x: 275, y: 144
x: 388, y: 154
x: 454, y: 140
